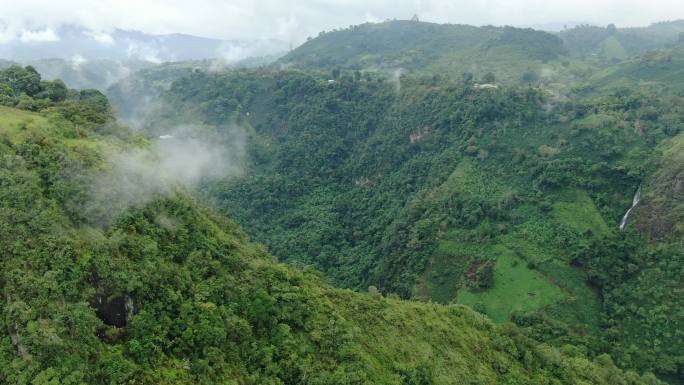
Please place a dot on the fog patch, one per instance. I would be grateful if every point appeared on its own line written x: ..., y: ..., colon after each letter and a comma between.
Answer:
x: 232, y: 54
x: 395, y: 79
x: 166, y: 222
x: 38, y: 36
x: 77, y: 61
x: 183, y: 161
x: 143, y: 52
x: 135, y: 102
x: 547, y: 72
x: 101, y: 37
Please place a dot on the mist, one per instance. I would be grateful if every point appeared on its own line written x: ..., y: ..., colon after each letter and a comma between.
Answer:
x: 176, y: 162
x: 396, y: 79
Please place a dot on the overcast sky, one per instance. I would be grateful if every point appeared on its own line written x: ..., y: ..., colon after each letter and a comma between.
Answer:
x: 294, y: 20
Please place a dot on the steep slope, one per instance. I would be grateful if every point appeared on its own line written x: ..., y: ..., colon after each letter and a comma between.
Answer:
x: 169, y: 293
x: 445, y: 191
x: 661, y: 214
x: 418, y: 46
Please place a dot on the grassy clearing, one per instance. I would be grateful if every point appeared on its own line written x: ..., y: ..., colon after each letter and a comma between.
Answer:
x: 516, y: 288
x: 468, y: 180
x: 13, y: 122
x: 574, y: 208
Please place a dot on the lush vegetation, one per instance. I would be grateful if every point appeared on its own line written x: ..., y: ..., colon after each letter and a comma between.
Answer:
x: 491, y: 174
x: 445, y: 49
x: 436, y: 189
x: 170, y: 293
x: 662, y: 216
x: 24, y: 89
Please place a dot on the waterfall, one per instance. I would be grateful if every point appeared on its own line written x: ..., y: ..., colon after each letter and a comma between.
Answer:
x: 635, y: 202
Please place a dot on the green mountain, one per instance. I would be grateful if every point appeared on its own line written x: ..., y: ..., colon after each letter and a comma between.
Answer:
x: 430, y: 48
x: 168, y: 292
x: 506, y: 200
x: 135, y: 98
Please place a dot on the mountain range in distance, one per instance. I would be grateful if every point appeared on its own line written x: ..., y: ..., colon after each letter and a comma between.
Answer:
x: 83, y: 58
x: 79, y: 43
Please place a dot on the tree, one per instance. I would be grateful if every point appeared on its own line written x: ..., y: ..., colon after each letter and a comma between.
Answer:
x: 611, y: 28
x: 22, y: 80
x: 335, y: 73
x: 467, y: 77
x: 55, y: 90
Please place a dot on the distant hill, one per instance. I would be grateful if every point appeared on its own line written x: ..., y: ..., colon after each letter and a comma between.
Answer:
x: 69, y: 42
x: 81, y: 74
x: 619, y: 43
x: 135, y: 97
x: 429, y: 47
x: 97, y: 73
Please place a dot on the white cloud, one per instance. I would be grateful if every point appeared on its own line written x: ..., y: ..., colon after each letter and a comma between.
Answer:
x: 101, y: 37
x: 39, y: 36
x: 77, y: 61
x: 294, y: 20
x: 143, y: 52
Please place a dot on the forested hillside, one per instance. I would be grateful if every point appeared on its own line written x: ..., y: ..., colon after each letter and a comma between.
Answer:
x: 413, y: 203
x: 444, y: 49
x: 507, y: 200
x: 168, y: 292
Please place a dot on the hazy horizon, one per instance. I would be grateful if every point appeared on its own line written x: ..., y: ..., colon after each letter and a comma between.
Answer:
x: 295, y: 21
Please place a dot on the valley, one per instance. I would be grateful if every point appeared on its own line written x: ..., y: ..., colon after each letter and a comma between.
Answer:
x: 399, y: 202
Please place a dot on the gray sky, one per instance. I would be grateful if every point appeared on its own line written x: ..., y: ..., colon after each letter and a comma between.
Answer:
x: 293, y: 21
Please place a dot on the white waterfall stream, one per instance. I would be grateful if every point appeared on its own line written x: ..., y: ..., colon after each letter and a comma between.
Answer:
x: 635, y: 202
